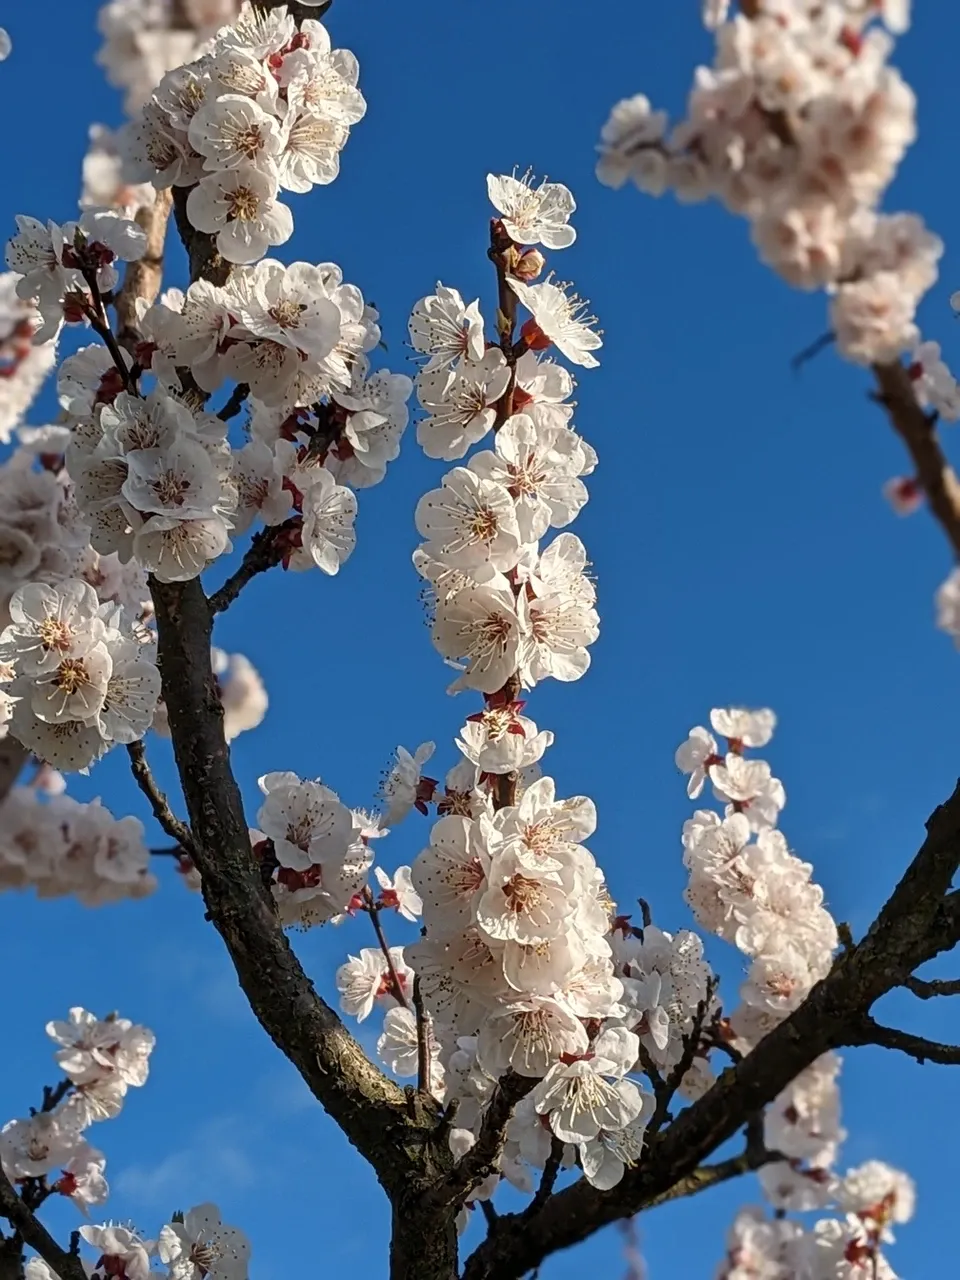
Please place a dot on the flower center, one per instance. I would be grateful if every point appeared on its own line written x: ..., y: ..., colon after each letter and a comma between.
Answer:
x: 244, y: 205
x: 72, y: 675
x: 286, y: 313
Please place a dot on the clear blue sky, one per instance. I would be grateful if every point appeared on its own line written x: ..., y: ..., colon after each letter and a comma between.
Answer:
x: 742, y: 549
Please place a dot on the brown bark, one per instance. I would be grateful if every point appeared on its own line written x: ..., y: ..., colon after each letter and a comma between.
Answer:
x: 143, y: 278
x: 917, y: 923
x: 371, y: 1109
x: 918, y: 431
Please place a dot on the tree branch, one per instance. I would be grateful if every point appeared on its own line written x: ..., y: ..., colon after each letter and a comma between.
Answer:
x: 916, y: 923
x: 917, y: 429
x: 424, y: 1039
x: 233, y: 406
x: 548, y: 1181
x: 369, y: 1107
x: 33, y: 1233
x: 159, y: 803
x: 481, y: 1160
x: 266, y: 551
x: 927, y: 990
x: 143, y: 278
x: 373, y: 911
x: 868, y: 1031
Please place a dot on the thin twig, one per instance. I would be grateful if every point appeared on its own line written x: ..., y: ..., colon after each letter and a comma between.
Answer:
x: 867, y: 1031
x: 266, y: 551
x: 142, y: 279
x: 53, y: 1095
x: 808, y: 353
x: 373, y: 911
x: 481, y: 1160
x: 147, y: 783
x: 918, y: 431
x: 652, y: 1072
x: 424, y: 1038
x: 548, y: 1179
x: 233, y: 406
x: 491, y: 1217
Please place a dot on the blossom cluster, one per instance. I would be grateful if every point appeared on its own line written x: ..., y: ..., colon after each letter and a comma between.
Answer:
x: 747, y: 887
x: 23, y: 364
x: 745, y: 884
x: 82, y: 675
x: 870, y: 1198
x: 142, y: 41
x: 502, y: 606
x: 317, y: 848
x: 60, y: 847
x: 100, y: 1060
x: 523, y: 965
x: 267, y: 106
x: 154, y: 474
x: 799, y: 126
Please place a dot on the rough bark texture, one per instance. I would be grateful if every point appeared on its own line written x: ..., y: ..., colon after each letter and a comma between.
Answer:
x: 371, y: 1109
x: 423, y: 1242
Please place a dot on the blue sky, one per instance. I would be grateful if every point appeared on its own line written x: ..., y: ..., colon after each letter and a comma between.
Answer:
x: 742, y: 550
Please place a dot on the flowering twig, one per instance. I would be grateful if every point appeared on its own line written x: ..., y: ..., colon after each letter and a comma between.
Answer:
x: 373, y: 911
x: 159, y: 803
x: 32, y: 1232
x: 500, y: 247
x: 53, y: 1095
x: 917, y: 430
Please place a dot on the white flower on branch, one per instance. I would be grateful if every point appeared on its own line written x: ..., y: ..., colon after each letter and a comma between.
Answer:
x: 202, y: 1245
x: 445, y: 330
x: 533, y: 215
x: 240, y: 207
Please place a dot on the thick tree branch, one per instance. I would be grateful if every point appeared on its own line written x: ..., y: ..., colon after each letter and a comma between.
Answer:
x: 927, y: 990
x: 916, y: 923
x: 370, y: 1109
x: 868, y: 1031
x: 11, y: 1257
x: 918, y: 431
x: 33, y: 1233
